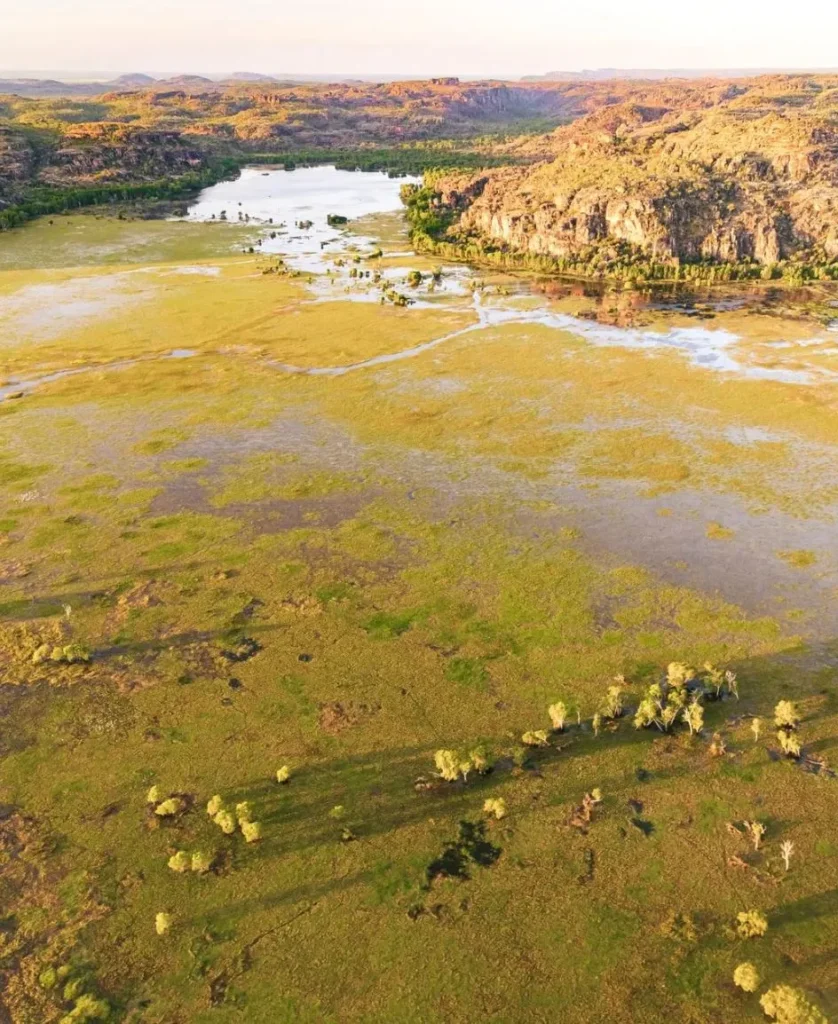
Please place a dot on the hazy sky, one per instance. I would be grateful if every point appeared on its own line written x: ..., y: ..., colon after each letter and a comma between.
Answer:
x: 468, y: 37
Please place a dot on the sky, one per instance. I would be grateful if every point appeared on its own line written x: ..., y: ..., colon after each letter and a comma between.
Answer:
x: 429, y: 37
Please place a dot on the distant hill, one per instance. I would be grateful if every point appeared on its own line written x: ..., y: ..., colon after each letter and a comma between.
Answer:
x: 250, y: 76
x: 132, y: 81
x: 647, y: 74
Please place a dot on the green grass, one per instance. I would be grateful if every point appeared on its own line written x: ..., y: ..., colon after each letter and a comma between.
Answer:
x: 440, y: 597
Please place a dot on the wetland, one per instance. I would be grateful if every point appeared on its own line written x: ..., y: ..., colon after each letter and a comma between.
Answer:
x: 292, y: 494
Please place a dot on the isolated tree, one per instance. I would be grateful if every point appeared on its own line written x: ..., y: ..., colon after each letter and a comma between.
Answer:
x: 558, y: 715
x: 746, y: 977
x: 786, y: 850
x: 787, y: 1005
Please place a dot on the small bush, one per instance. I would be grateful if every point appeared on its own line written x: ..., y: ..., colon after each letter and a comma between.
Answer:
x: 201, y: 862
x: 746, y: 977
x: 751, y: 924
x: 226, y: 822
x: 168, y: 808
x: 162, y: 923
x: 535, y: 738
x: 614, y: 699
x: 243, y: 812
x: 87, y: 1008
x: 789, y: 743
x: 252, y: 831
x: 180, y: 862
x: 495, y: 806
x: 153, y: 795
x: 283, y: 774
x: 215, y: 805
x: 481, y: 760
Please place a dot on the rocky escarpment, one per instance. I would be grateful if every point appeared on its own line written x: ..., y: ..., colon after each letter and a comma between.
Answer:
x: 752, y: 178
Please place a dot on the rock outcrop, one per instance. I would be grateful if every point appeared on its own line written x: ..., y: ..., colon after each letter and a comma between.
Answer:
x: 751, y: 176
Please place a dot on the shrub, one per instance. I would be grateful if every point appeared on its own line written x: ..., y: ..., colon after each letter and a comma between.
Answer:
x: 87, y: 1008
x: 786, y: 715
x: 789, y: 1005
x: 495, y: 806
x: 162, y: 923
x: 746, y: 977
x: 283, y: 774
x: 535, y: 738
x: 751, y: 924
x: 168, y: 808
x: 614, y: 699
x: 481, y: 760
x: 558, y: 715
x: 41, y: 654
x: 252, y: 831
x: 201, y: 862
x: 789, y: 743
x: 226, y: 822
x: 243, y: 812
x: 153, y: 795
x: 215, y: 805
x: 180, y: 862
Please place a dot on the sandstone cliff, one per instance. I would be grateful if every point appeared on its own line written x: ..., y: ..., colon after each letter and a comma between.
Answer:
x: 749, y: 174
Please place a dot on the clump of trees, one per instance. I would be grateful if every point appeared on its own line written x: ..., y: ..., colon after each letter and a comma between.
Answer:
x: 451, y: 765
x: 680, y: 695
x: 68, y: 654
x: 241, y: 817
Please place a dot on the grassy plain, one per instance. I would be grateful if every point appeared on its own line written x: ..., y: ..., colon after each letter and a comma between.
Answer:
x: 345, y: 573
